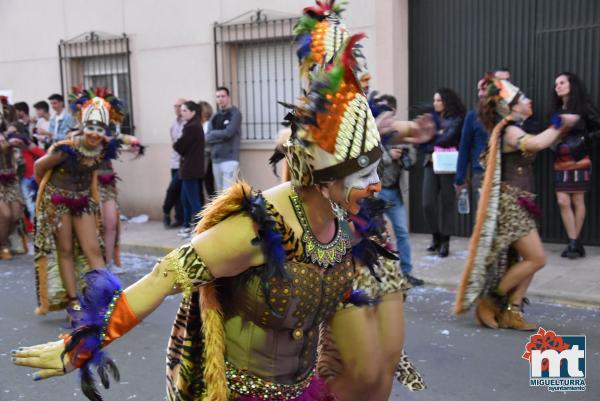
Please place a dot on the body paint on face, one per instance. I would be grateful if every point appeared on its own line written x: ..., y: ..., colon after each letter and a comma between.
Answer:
x: 93, y: 135
x: 361, y: 180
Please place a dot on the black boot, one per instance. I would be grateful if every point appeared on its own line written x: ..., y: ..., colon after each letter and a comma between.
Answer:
x: 444, y: 245
x: 580, y: 249
x: 166, y: 220
x: 571, y: 251
x: 435, y: 243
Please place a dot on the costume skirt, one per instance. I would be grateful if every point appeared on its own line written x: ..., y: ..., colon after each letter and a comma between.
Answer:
x: 54, y: 203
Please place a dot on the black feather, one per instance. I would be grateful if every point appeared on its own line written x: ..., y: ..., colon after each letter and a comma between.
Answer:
x: 88, y: 385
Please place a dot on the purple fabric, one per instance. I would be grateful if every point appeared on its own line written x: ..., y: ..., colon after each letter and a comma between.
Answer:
x: 107, y: 179
x: 317, y: 390
x: 530, y: 205
x: 76, y: 205
x: 8, y: 178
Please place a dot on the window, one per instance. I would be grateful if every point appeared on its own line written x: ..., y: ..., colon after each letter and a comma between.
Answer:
x: 93, y: 60
x: 258, y: 63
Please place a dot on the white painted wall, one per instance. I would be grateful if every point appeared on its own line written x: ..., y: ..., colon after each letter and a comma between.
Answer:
x: 172, y: 56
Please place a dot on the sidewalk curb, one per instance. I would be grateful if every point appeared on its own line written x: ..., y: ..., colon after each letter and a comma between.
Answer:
x: 569, y: 300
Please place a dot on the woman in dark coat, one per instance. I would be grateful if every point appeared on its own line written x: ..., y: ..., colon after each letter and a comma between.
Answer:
x: 191, y: 166
x: 439, y: 199
x: 572, y: 164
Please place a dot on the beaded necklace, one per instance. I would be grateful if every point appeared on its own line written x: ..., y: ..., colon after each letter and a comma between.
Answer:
x: 322, y: 255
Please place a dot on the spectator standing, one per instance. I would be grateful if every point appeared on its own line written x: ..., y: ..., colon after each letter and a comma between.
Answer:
x: 439, y: 200
x: 206, y: 113
x: 61, y: 122
x: 190, y: 147
x: 572, y: 165
x: 473, y: 141
x: 172, y: 197
x: 224, y: 137
x: 22, y: 111
x: 42, y: 123
x: 394, y: 163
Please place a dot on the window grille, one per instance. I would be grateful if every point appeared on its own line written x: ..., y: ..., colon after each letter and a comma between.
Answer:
x: 257, y: 62
x: 98, y: 59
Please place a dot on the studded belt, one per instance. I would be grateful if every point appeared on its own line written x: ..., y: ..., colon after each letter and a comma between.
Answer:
x: 246, y: 384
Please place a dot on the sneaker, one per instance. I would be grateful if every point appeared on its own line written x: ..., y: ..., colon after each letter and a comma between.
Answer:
x: 412, y: 280
x: 166, y: 220
x: 184, y: 232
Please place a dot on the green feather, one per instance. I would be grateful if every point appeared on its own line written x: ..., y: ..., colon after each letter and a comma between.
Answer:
x: 335, y: 78
x: 305, y: 24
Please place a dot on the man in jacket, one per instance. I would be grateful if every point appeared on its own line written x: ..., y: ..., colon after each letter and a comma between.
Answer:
x: 394, y: 163
x: 224, y: 137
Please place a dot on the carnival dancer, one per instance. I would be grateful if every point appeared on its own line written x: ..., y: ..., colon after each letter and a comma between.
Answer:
x: 67, y: 207
x: 263, y: 271
x: 361, y: 349
x: 505, y: 250
x: 107, y: 177
x: 11, y: 202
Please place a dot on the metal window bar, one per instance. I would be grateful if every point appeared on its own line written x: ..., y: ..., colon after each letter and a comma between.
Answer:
x: 98, y: 59
x: 255, y: 59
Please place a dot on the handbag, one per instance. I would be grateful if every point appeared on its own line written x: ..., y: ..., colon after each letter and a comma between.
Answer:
x: 444, y: 160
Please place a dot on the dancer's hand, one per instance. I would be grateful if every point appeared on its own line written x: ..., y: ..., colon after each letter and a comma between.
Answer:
x: 46, y: 357
x: 385, y: 122
x: 426, y: 130
x: 569, y: 120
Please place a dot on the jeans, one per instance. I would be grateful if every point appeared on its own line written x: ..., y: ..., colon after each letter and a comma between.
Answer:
x: 397, y: 216
x: 190, y: 200
x: 225, y: 174
x: 28, y: 193
x: 173, y: 195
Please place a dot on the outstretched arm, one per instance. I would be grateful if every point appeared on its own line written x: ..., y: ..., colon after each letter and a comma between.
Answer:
x: 183, y: 269
x: 516, y: 138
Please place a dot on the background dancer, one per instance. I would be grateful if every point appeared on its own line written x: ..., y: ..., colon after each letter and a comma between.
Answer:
x: 495, y: 277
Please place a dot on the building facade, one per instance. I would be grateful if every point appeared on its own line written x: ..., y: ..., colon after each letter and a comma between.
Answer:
x: 151, y: 52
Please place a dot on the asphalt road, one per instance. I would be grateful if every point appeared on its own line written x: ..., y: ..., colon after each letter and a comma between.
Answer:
x: 460, y: 361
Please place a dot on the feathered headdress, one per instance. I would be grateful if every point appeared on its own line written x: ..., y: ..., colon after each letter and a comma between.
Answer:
x: 333, y: 131
x: 96, y: 106
x: 319, y: 34
x: 503, y: 92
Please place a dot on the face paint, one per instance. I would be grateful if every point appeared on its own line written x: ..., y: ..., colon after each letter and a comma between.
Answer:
x: 361, y: 180
x: 93, y: 135
x: 359, y: 186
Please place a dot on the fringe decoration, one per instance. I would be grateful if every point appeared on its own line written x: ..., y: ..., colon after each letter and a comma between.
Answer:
x: 233, y: 200
x: 84, y: 345
x: 485, y: 224
x: 214, y: 344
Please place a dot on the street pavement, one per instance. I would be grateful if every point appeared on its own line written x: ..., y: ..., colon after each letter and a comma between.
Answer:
x: 460, y: 360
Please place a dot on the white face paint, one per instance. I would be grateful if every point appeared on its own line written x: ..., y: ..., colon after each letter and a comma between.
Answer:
x: 94, y: 129
x: 361, y: 179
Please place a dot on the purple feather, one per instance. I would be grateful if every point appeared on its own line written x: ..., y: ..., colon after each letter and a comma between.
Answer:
x: 112, y: 149
x: 530, y: 205
x: 66, y: 149
x: 76, y: 205
x: 88, y: 322
x: 359, y: 297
